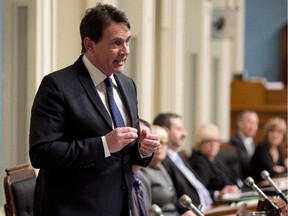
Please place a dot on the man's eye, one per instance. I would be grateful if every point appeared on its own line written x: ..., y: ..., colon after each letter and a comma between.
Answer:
x: 117, y: 43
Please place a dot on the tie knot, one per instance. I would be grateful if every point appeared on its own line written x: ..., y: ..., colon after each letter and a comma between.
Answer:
x: 108, y: 82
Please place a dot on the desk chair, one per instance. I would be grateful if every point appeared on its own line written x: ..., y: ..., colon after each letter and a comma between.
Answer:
x: 228, y: 154
x: 19, y: 184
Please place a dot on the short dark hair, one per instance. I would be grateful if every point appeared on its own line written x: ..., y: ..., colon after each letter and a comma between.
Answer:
x: 96, y: 19
x: 241, y: 114
x: 146, y: 123
x: 163, y: 119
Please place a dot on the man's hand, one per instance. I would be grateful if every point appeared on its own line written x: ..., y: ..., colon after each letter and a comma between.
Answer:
x: 120, y: 137
x: 189, y: 213
x: 148, y: 142
x: 228, y: 189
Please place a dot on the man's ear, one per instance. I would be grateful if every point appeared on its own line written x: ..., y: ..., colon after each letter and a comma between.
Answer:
x: 166, y: 128
x: 87, y: 43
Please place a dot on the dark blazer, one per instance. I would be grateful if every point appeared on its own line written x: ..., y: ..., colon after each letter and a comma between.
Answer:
x: 67, y: 122
x: 262, y: 160
x: 243, y: 155
x: 181, y: 184
x: 214, y: 175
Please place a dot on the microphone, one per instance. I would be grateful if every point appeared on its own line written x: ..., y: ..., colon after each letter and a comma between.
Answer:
x: 266, y: 176
x: 187, y: 202
x: 250, y: 182
x: 155, y: 210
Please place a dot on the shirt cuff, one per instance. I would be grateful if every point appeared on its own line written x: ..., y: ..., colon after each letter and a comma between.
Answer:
x: 216, y: 195
x: 105, y: 146
x: 143, y: 156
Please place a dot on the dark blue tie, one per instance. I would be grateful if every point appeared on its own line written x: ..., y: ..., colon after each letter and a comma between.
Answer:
x: 139, y: 193
x: 116, y: 115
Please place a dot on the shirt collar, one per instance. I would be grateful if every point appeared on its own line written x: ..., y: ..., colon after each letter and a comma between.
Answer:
x: 96, y: 75
x: 172, y: 154
x: 243, y: 137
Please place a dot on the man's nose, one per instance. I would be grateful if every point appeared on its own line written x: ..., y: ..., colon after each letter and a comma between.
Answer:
x: 184, y: 133
x: 125, y: 49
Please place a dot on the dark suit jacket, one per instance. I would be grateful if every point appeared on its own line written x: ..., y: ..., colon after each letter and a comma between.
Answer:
x: 215, y: 175
x: 67, y: 122
x: 242, y: 153
x: 262, y: 160
x: 181, y: 184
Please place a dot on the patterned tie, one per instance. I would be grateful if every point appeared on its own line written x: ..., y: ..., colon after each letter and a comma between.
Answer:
x: 116, y: 115
x: 139, y: 193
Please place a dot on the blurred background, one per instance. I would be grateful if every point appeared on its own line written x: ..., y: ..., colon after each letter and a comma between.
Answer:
x: 191, y: 57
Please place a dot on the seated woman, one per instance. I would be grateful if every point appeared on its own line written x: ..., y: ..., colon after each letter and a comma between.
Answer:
x: 268, y: 154
x: 215, y: 175
x: 163, y: 192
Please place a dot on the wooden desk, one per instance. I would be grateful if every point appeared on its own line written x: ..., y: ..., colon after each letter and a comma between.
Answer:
x: 281, y: 181
x: 250, y: 199
x: 225, y: 210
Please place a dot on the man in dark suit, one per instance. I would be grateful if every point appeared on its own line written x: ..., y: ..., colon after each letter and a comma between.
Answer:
x: 86, y: 161
x: 184, y: 178
x: 247, y: 124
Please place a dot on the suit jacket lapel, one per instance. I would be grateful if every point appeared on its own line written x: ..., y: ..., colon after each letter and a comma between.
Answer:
x: 90, y: 89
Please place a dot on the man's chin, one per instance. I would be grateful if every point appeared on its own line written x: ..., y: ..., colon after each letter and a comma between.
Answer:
x: 119, y: 70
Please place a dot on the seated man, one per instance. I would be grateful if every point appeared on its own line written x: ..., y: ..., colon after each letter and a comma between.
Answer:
x: 184, y: 178
x: 247, y: 124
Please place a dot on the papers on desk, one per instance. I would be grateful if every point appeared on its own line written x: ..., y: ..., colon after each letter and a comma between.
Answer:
x: 231, y: 197
x: 280, y: 182
x: 232, y: 202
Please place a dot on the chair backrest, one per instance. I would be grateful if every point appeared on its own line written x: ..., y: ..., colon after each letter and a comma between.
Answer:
x: 228, y: 155
x: 19, y: 184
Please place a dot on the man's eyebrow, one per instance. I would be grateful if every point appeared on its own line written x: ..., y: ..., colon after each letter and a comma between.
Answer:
x: 121, y: 39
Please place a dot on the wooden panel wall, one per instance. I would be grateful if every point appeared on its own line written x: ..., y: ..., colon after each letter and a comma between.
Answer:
x: 254, y: 95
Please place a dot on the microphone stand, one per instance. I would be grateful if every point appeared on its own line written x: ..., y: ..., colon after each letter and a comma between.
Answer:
x: 268, y: 206
x: 155, y: 210
x: 187, y: 203
x: 266, y: 176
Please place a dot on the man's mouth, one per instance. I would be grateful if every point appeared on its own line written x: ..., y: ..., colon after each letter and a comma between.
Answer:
x: 120, y: 61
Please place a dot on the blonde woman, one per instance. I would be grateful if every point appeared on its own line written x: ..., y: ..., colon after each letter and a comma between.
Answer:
x: 215, y: 175
x: 268, y: 154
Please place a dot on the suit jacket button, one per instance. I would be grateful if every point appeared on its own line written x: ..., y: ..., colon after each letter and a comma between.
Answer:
x: 123, y: 188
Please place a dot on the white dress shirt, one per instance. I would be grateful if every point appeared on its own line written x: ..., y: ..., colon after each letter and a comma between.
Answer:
x: 249, y: 145
x: 204, y: 195
x: 98, y: 79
